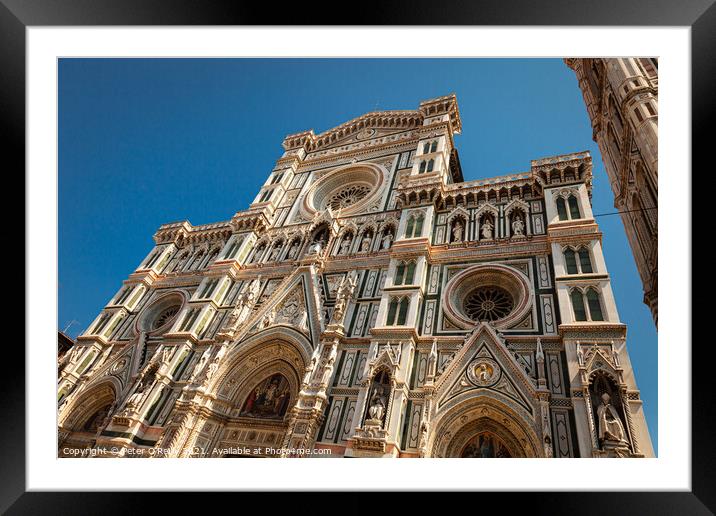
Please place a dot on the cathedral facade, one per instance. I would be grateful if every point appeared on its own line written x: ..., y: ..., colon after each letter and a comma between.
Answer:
x: 370, y: 302
x: 622, y: 98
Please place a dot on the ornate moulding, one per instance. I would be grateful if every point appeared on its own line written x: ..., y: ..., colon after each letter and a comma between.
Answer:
x: 157, y: 317
x: 351, y: 189
x: 460, y: 290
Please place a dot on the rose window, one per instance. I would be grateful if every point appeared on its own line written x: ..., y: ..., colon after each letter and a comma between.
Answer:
x: 488, y: 304
x: 165, y: 316
x: 351, y: 189
x: 347, y: 196
x: 491, y: 293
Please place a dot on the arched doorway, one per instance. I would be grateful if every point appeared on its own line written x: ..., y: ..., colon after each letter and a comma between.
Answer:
x: 85, y: 416
x: 484, y: 427
x: 252, y: 397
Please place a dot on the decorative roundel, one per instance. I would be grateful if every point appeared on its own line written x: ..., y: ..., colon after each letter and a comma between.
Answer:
x: 349, y: 189
x: 493, y: 293
x: 119, y: 366
x: 483, y: 372
x: 161, y: 314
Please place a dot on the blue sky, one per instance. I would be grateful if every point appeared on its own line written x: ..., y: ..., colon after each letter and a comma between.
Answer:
x: 143, y: 142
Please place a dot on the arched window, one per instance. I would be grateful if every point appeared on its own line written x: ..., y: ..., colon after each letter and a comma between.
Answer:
x: 431, y: 165
x: 399, y: 274
x: 434, y: 146
x: 562, y: 209
x: 404, y: 273
x: 398, y: 311
x: 426, y: 148
x: 403, y: 314
x: 419, y: 225
x: 580, y: 313
x: 595, y: 306
x: 570, y: 261
x: 233, y: 249
x: 414, y: 226
x: 392, y: 310
x: 423, y: 164
x: 585, y: 262
x: 410, y: 273
x: 573, y: 207
x: 410, y: 227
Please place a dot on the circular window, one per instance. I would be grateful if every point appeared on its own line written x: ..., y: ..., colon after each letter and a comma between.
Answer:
x: 349, y: 189
x: 488, y: 304
x: 160, y: 314
x: 347, y: 196
x: 493, y: 293
x: 165, y: 316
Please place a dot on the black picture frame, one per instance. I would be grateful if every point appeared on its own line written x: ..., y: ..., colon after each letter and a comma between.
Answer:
x: 17, y: 15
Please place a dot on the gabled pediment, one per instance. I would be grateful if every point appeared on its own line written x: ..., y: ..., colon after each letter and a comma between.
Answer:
x: 484, y: 364
x: 294, y: 303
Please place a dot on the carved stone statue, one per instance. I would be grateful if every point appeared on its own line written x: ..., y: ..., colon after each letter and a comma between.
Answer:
x: 345, y: 245
x: 365, y: 243
x: 610, y: 426
x: 457, y: 232
x: 274, y: 253
x: 293, y: 250
x: 212, y: 369
x: 309, y: 371
x: 387, y: 240
x: 268, y: 319
x: 328, y: 366
x: 376, y: 410
x: 317, y: 246
x: 433, y: 359
x: 199, y: 366
x: 487, y: 230
x: 135, y: 400
x: 518, y: 227
x: 343, y: 294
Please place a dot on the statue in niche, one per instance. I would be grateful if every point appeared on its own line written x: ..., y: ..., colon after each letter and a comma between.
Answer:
x: 135, y: 400
x: 199, y: 366
x: 317, y: 246
x: 365, y: 243
x: 328, y: 366
x: 245, y: 300
x: 211, y: 369
x: 376, y: 411
x: 518, y: 227
x: 275, y: 252
x: 308, y: 371
x: 345, y: 245
x: 457, y: 231
x: 293, y: 251
x: 387, y: 240
x: 610, y: 425
x: 343, y: 294
x: 487, y: 230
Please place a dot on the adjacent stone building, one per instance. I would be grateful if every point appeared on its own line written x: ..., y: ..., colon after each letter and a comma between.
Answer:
x: 622, y: 96
x: 369, y: 303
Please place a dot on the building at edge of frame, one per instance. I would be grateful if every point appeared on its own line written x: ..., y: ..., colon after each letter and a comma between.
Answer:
x: 622, y: 98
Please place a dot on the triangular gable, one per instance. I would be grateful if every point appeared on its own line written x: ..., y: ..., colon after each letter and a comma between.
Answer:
x: 294, y: 303
x: 484, y: 363
x: 123, y: 366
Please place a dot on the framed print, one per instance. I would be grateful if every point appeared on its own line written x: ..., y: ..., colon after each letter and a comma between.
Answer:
x: 360, y: 248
